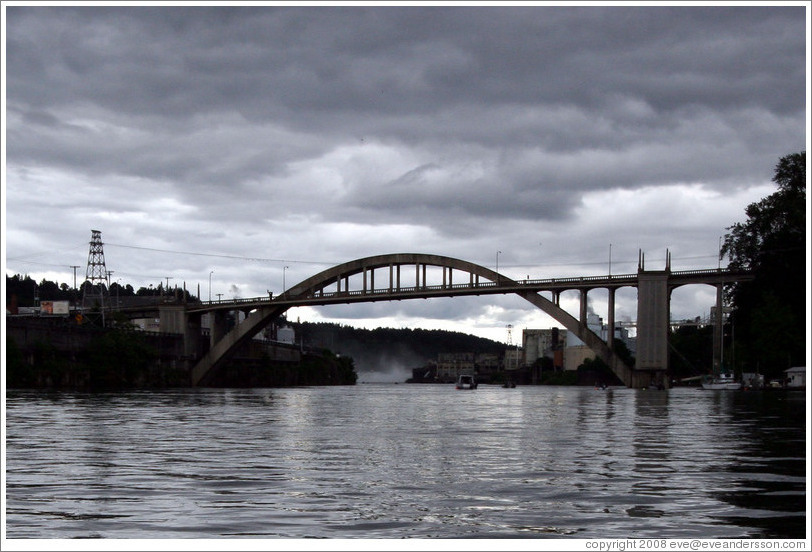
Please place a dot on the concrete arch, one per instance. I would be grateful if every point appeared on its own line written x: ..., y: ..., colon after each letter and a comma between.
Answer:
x: 310, y: 287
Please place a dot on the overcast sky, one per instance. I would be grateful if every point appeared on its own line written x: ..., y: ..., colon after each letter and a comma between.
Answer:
x: 244, y: 140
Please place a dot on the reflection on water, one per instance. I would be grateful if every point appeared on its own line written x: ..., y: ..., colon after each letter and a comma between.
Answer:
x: 399, y: 461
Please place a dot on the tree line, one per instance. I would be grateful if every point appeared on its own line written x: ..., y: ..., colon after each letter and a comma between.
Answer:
x: 27, y: 292
x: 767, y: 329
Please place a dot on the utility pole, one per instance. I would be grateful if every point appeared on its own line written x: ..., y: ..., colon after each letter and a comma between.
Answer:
x: 74, y: 267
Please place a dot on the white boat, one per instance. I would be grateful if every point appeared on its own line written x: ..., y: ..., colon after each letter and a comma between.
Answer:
x: 721, y: 378
x: 721, y: 381
x: 466, y: 381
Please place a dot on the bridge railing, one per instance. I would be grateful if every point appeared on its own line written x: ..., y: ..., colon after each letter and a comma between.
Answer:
x: 704, y: 272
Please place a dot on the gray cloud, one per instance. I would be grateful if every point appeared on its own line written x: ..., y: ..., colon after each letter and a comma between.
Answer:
x: 330, y: 133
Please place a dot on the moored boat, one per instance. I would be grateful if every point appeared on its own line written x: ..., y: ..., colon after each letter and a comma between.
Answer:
x: 721, y: 381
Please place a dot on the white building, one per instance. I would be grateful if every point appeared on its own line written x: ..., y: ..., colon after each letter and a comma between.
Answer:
x: 286, y: 334
x: 539, y: 343
x: 796, y: 377
x: 594, y: 323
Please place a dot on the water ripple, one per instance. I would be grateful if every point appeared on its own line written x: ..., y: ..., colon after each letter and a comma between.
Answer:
x: 384, y: 461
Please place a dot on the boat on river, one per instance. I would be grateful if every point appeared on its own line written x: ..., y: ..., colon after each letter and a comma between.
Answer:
x: 722, y: 380
x: 466, y: 381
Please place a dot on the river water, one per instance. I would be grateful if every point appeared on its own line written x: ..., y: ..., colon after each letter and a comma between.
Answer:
x: 406, y: 461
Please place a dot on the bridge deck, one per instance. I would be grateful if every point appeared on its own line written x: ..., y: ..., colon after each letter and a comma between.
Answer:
x: 388, y: 293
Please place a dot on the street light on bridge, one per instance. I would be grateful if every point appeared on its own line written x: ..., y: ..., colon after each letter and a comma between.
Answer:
x: 719, y: 266
x: 210, y: 273
x: 610, y: 259
x: 283, y: 278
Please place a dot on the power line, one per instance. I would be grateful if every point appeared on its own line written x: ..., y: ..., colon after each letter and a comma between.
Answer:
x: 220, y: 256
x: 120, y: 273
x: 332, y: 263
x: 596, y: 263
x: 21, y: 258
x: 326, y: 263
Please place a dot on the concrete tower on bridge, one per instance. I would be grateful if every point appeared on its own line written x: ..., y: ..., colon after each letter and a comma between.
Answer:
x: 653, y: 312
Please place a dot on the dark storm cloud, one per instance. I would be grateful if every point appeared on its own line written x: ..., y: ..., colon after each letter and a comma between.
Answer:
x: 556, y: 80
x: 318, y: 66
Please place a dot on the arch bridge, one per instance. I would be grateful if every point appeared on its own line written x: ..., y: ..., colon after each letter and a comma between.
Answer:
x: 407, y: 276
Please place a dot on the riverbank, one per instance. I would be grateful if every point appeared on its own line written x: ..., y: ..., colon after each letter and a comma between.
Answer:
x: 55, y: 354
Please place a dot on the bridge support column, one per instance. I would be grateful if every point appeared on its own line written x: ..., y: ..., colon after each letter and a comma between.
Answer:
x: 369, y: 280
x: 653, y: 298
x: 172, y: 319
x: 583, y: 307
x: 175, y: 319
x: 718, y: 328
x: 610, y: 337
x: 218, y: 327
x: 192, y: 336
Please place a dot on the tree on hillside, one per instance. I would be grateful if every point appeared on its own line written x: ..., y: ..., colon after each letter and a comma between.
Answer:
x: 769, y: 312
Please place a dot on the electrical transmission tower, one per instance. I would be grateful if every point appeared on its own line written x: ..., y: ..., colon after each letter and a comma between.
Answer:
x: 95, y: 288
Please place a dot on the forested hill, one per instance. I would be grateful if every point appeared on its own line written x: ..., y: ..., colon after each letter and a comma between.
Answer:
x: 390, y: 350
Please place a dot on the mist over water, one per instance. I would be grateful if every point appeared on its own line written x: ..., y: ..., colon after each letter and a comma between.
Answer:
x: 383, y: 373
x: 386, y: 368
x: 406, y: 461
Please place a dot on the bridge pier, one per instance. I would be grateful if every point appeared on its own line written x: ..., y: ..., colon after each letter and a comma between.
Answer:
x: 218, y: 326
x: 642, y: 379
x: 172, y: 319
x: 193, y: 335
x: 175, y: 319
x: 653, y: 307
x: 610, y: 336
x: 718, y: 328
x: 583, y: 313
